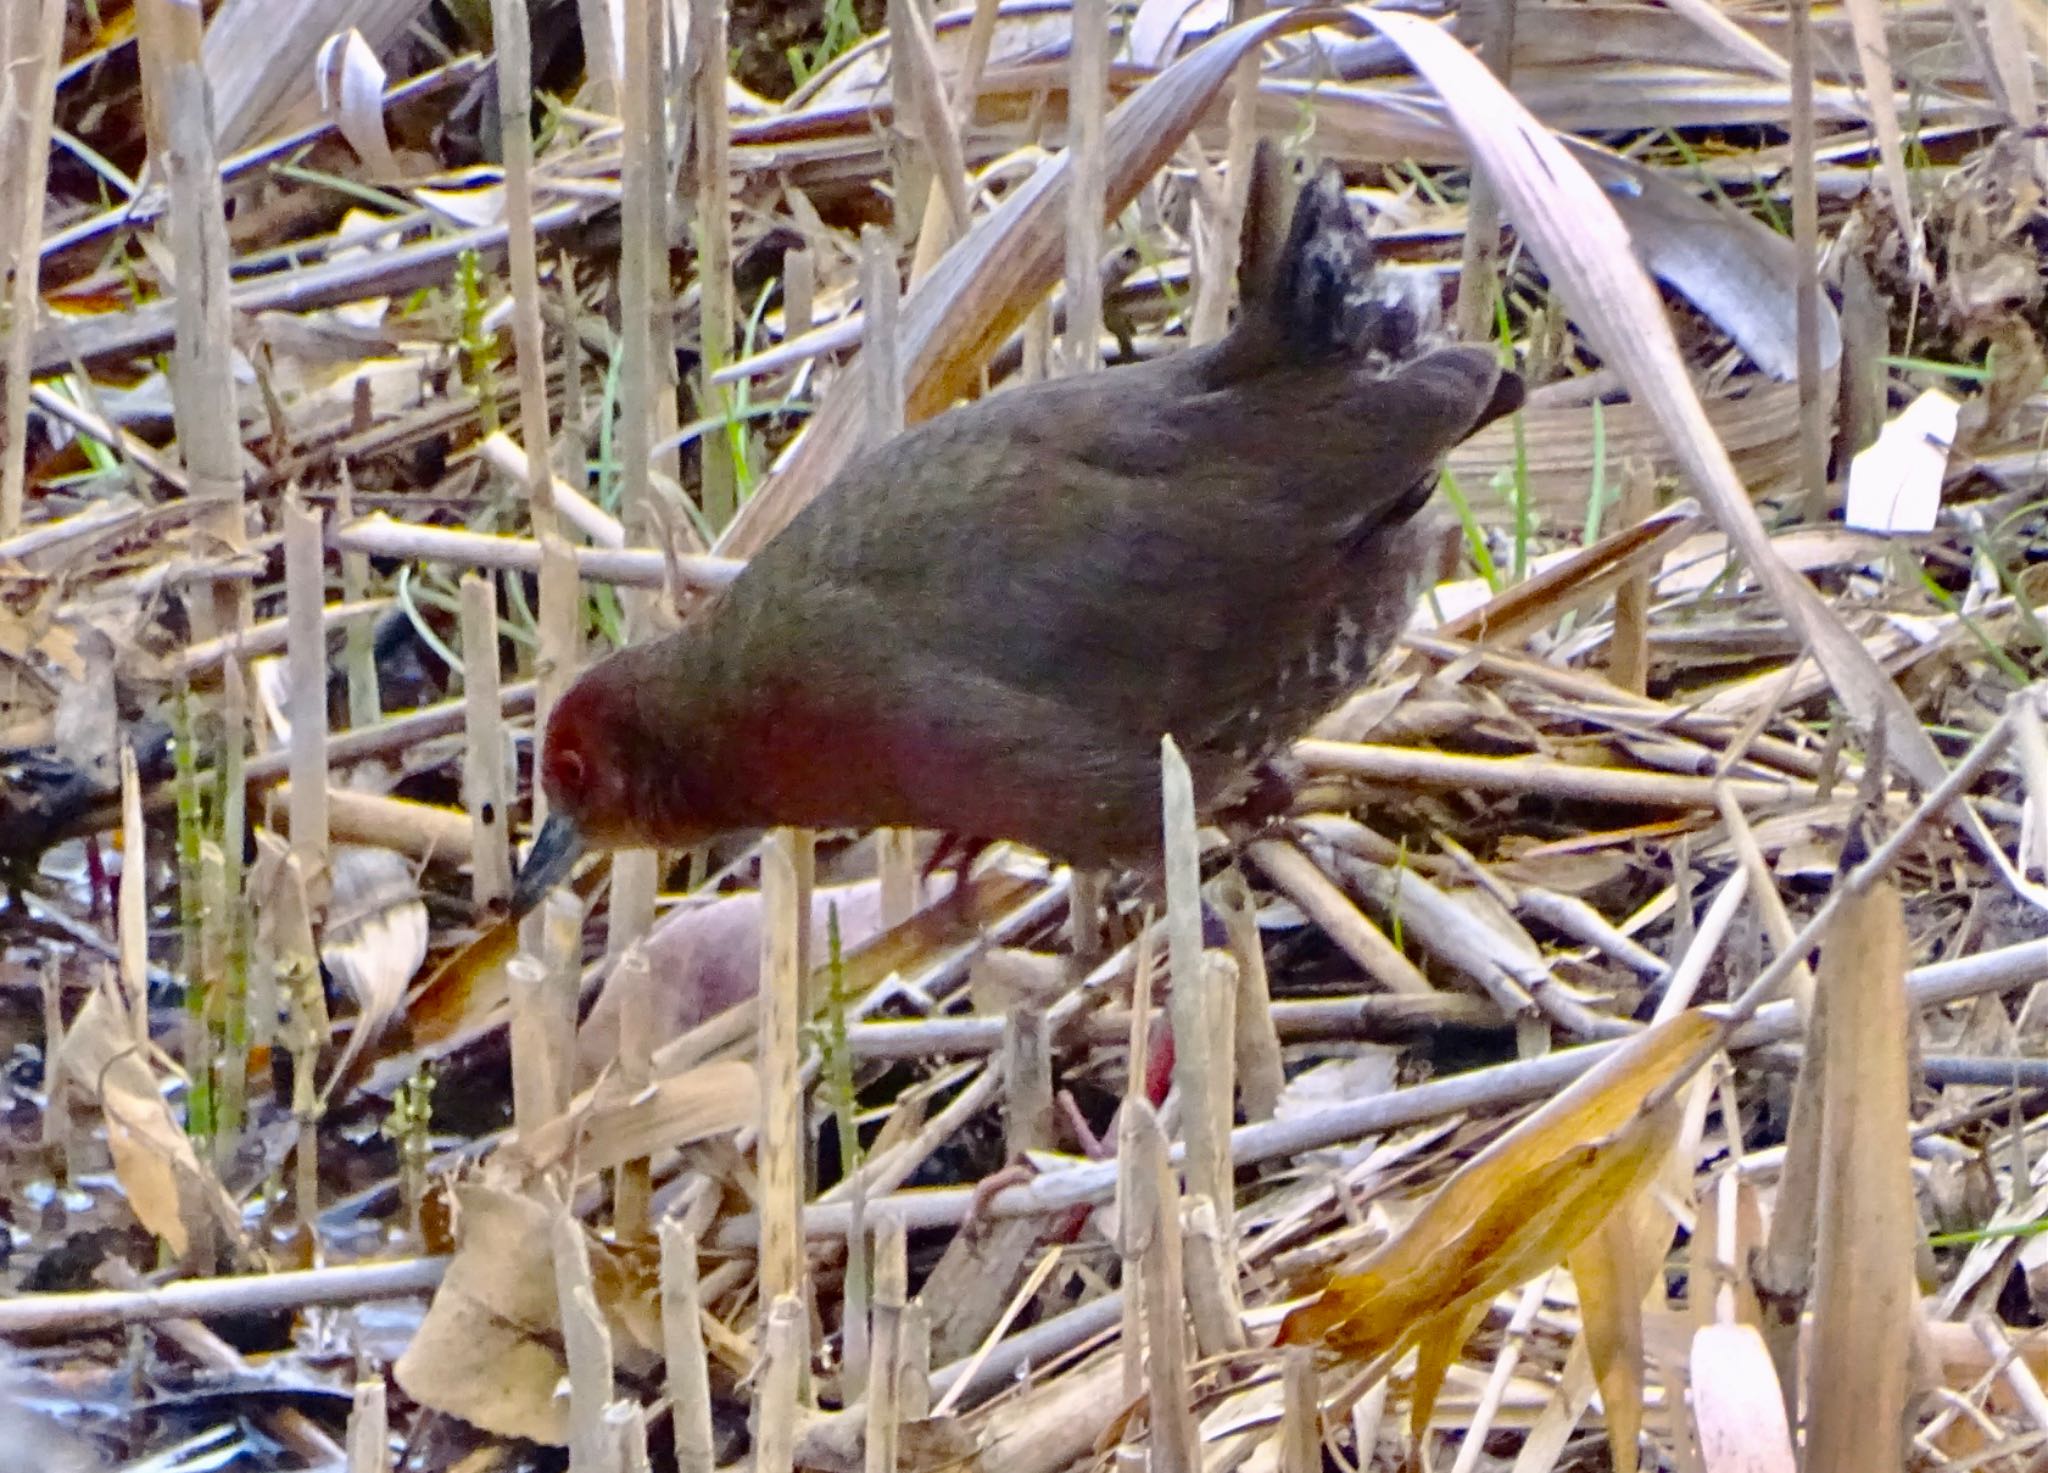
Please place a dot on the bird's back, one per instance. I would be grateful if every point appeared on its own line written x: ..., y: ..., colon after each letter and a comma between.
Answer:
x: 1003, y: 610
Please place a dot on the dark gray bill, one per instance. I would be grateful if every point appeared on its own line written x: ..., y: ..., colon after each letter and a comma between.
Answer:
x: 548, y: 862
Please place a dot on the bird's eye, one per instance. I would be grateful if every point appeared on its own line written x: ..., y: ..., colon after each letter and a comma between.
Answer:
x: 569, y: 769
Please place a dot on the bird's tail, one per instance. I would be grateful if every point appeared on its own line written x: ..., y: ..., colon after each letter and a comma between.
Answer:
x: 1310, y: 285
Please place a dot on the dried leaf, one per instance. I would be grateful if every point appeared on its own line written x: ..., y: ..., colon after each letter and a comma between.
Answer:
x: 489, y: 1350
x: 171, y: 1191
x: 1515, y: 1209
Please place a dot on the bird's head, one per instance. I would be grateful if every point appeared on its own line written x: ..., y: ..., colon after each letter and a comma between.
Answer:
x: 603, y: 784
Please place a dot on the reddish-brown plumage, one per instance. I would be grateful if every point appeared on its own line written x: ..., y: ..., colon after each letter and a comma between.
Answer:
x: 985, y: 625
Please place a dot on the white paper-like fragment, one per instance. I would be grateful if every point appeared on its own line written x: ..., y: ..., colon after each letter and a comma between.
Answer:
x: 1895, y: 484
x: 351, y: 84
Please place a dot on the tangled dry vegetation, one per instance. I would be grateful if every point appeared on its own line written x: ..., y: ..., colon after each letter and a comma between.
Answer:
x: 341, y: 416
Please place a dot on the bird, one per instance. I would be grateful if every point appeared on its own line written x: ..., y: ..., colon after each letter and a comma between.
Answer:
x: 985, y: 625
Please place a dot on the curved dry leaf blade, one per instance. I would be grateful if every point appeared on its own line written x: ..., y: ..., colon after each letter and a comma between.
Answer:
x: 1523, y: 1203
x: 981, y: 290
x: 1609, y: 1270
x: 1572, y: 229
x: 1438, y: 1341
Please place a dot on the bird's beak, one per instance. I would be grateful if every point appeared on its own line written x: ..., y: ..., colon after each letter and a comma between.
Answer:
x: 548, y: 862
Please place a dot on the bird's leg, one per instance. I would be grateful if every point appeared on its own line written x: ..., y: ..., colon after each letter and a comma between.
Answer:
x: 960, y: 852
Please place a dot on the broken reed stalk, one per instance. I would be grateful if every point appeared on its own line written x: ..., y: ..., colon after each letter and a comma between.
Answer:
x: 57, y: 1141
x: 937, y: 211
x: 545, y: 979
x: 1777, y: 920
x: 31, y: 55
x: 267, y: 636
x: 359, y: 649
x: 133, y: 902
x: 1221, y: 211
x: 1202, y: 994
x: 603, y: 62
x: 1301, y: 1434
x: 1260, y: 1074
x: 712, y: 133
x: 643, y: 278
x: 799, y: 292
x: 586, y: 1343
x: 369, y: 1428
x: 1628, y: 646
x: 1472, y: 1445
x: 1813, y: 409
x: 1087, y: 99
x: 933, y: 238
x: 632, y: 980
x: 895, y: 849
x: 682, y: 1344
x: 202, y: 354
x: 1149, y: 1229
x: 781, y: 1145
x: 784, y: 1358
x: 885, y: 1345
x: 486, y: 778
x: 626, y: 1437
x: 306, y: 677
x: 1489, y: 28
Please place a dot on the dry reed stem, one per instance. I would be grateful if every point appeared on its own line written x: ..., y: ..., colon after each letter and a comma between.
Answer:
x: 718, y: 492
x: 1537, y: 776
x: 419, y: 831
x: 632, y: 979
x: 1487, y: 26
x: 780, y: 1137
x: 1301, y: 880
x: 486, y: 779
x: 932, y: 237
x: 1148, y: 1229
x: 133, y: 902
x: 202, y: 355
x: 560, y: 631
x: 502, y: 454
x: 1813, y: 411
x: 588, y: 1345
x: 513, y: 44
x: 1301, y: 1433
x: 626, y: 1431
x: 228, y: 1294
x: 1087, y: 92
x: 885, y: 1341
x: 682, y: 1339
x: 268, y: 636
x: 626, y: 567
x: 31, y: 53
x: 1260, y: 1075
x: 369, y: 1429
x: 784, y: 1357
